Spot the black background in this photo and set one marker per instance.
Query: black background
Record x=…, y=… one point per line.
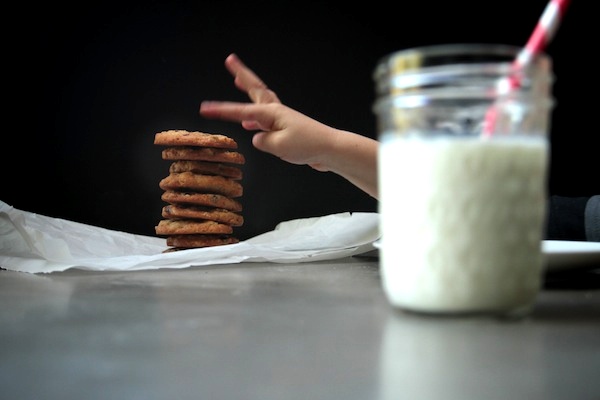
x=87, y=87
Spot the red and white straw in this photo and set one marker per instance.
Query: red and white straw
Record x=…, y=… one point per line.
x=542, y=35
x=544, y=31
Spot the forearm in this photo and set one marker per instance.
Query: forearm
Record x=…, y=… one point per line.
x=592, y=219
x=574, y=218
x=354, y=157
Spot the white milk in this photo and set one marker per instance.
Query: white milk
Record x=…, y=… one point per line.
x=462, y=222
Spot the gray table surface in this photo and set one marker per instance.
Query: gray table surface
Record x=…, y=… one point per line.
x=321, y=330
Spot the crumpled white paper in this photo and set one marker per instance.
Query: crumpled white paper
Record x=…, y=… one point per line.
x=36, y=243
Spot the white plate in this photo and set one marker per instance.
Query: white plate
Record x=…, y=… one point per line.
x=564, y=254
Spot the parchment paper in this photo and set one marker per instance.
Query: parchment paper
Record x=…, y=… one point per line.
x=36, y=243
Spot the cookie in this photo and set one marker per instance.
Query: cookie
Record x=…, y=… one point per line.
x=188, y=227
x=202, y=199
x=202, y=184
x=221, y=215
x=203, y=154
x=206, y=168
x=195, y=241
x=187, y=138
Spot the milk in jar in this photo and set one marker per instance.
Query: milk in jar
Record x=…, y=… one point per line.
x=461, y=222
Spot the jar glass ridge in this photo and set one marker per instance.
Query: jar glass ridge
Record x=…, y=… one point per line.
x=421, y=85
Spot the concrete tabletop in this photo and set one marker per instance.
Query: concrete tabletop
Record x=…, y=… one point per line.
x=320, y=330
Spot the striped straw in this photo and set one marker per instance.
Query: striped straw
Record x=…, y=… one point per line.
x=544, y=31
x=542, y=35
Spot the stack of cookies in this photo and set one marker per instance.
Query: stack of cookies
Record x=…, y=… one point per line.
x=201, y=189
